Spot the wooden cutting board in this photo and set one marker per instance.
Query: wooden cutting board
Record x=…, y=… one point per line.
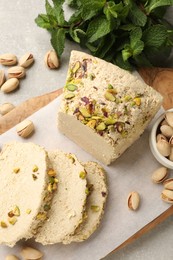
x=159, y=78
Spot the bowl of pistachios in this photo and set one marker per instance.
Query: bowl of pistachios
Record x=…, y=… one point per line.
x=161, y=139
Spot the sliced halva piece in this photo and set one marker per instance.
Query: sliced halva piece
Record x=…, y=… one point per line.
x=97, y=194
x=68, y=204
x=104, y=108
x=23, y=188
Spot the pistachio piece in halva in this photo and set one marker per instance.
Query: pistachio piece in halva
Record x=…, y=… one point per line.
x=168, y=184
x=31, y=253
x=167, y=196
x=163, y=147
x=159, y=175
x=11, y=257
x=2, y=77
x=8, y=59
x=16, y=72
x=10, y=85
x=25, y=128
x=6, y=108
x=51, y=60
x=133, y=200
x=169, y=118
x=26, y=60
x=166, y=130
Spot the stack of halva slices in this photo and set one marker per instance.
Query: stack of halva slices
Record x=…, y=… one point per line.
x=49, y=196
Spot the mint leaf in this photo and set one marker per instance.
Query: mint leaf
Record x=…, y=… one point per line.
x=135, y=41
x=42, y=21
x=108, y=42
x=155, y=36
x=58, y=41
x=98, y=28
x=153, y=4
x=49, y=9
x=59, y=12
x=77, y=34
x=136, y=15
x=121, y=63
x=90, y=8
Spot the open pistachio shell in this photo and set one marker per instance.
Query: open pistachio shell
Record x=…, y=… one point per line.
x=163, y=147
x=159, y=175
x=169, y=118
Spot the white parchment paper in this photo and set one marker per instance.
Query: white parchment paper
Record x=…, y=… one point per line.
x=131, y=172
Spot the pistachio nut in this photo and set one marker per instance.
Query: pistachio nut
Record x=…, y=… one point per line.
x=26, y=60
x=11, y=257
x=16, y=72
x=164, y=122
x=6, y=108
x=10, y=85
x=171, y=154
x=168, y=184
x=51, y=60
x=8, y=59
x=133, y=200
x=159, y=175
x=163, y=147
x=167, y=196
x=169, y=118
x=31, y=253
x=161, y=137
x=166, y=130
x=25, y=128
x=171, y=141
x=2, y=77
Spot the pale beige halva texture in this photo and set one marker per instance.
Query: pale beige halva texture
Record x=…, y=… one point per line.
x=104, y=108
x=97, y=187
x=68, y=204
x=20, y=188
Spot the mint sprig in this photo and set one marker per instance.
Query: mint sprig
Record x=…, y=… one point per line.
x=127, y=33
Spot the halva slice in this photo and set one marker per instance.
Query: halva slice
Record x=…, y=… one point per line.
x=68, y=204
x=104, y=108
x=97, y=194
x=23, y=188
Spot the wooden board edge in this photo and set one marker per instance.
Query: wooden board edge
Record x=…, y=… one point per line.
x=26, y=109
x=145, y=229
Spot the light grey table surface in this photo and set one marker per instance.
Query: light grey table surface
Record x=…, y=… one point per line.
x=19, y=34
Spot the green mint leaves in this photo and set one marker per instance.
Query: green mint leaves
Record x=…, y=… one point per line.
x=127, y=33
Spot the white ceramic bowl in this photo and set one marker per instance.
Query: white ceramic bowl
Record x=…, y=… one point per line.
x=152, y=142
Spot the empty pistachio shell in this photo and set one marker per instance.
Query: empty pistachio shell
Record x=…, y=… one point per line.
x=2, y=77
x=8, y=59
x=25, y=128
x=166, y=130
x=168, y=184
x=167, y=195
x=16, y=72
x=159, y=175
x=11, y=257
x=51, y=60
x=163, y=147
x=31, y=253
x=26, y=60
x=10, y=85
x=5, y=108
x=133, y=200
x=169, y=118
